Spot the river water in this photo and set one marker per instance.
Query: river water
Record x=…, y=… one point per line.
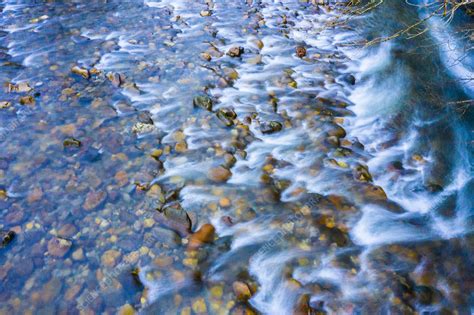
x=241, y=157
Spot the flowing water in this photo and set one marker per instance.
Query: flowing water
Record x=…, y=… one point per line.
x=300, y=174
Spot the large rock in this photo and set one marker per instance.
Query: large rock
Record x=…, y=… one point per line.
x=203, y=236
x=175, y=218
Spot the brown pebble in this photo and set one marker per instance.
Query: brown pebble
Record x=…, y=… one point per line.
x=94, y=200
x=110, y=257
x=81, y=71
x=68, y=230
x=219, y=174
x=241, y=291
x=300, y=51
x=236, y=51
x=302, y=305
x=27, y=100
x=204, y=235
x=224, y=202
x=206, y=56
x=227, y=220
x=58, y=247
x=72, y=292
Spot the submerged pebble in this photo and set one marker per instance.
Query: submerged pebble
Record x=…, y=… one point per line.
x=81, y=71
x=59, y=247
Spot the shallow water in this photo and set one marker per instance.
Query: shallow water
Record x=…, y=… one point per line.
x=361, y=204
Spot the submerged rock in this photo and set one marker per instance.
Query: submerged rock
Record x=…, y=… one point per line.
x=241, y=290
x=349, y=78
x=203, y=101
x=6, y=237
x=227, y=116
x=116, y=79
x=302, y=306
x=22, y=87
x=94, y=200
x=141, y=128
x=175, y=218
x=27, y=100
x=71, y=142
x=145, y=117
x=110, y=258
x=235, y=51
x=126, y=309
x=243, y=309
x=206, y=56
x=203, y=236
x=219, y=174
x=81, y=71
x=205, y=13
x=361, y=173
x=300, y=51
x=4, y=104
x=59, y=247
x=270, y=127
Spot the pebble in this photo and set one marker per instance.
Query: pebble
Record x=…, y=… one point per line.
x=217, y=291
x=72, y=292
x=241, y=291
x=302, y=305
x=3, y=194
x=206, y=13
x=4, y=104
x=199, y=306
x=27, y=100
x=204, y=102
x=116, y=78
x=126, y=309
x=235, y=51
x=6, y=237
x=67, y=231
x=224, y=202
x=78, y=254
x=148, y=223
x=219, y=174
x=181, y=147
x=58, y=247
x=142, y=128
x=270, y=127
x=110, y=258
x=81, y=71
x=71, y=142
x=206, y=56
x=94, y=200
x=258, y=43
x=22, y=87
x=121, y=178
x=204, y=235
x=300, y=51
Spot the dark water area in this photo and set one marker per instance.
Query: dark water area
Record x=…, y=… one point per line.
x=216, y=157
